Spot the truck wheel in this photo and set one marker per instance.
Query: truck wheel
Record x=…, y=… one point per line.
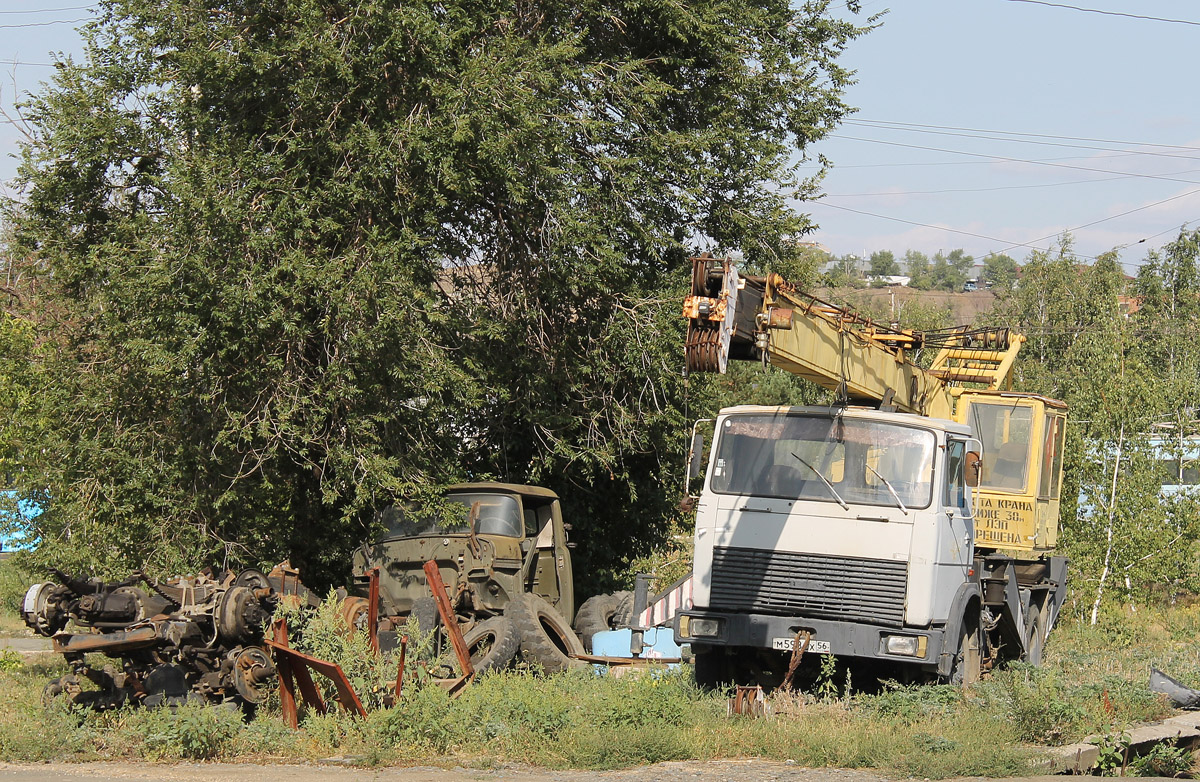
x=546, y=637
x=600, y=613
x=492, y=643
x=1035, y=631
x=968, y=661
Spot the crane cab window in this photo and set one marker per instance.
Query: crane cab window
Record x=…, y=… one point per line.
x=1006, y=431
x=1052, y=456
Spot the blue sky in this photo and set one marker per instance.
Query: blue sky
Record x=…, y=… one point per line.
x=1021, y=68
x=1105, y=102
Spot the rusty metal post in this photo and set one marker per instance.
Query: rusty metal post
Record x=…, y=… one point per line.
x=373, y=609
x=287, y=683
x=400, y=668
x=433, y=577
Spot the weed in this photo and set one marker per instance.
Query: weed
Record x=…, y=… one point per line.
x=190, y=731
x=1165, y=759
x=10, y=660
x=1035, y=703
x=827, y=690
x=1113, y=752
x=914, y=703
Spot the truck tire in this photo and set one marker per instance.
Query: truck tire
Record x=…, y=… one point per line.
x=968, y=659
x=546, y=637
x=1035, y=632
x=600, y=613
x=492, y=643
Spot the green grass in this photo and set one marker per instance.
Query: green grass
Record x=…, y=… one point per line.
x=1093, y=681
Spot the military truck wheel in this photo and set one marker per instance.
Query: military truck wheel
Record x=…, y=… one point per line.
x=355, y=612
x=546, y=637
x=425, y=611
x=493, y=643
x=1035, y=631
x=600, y=613
x=968, y=660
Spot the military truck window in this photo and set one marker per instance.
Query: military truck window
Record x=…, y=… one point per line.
x=495, y=514
x=1006, y=431
x=818, y=457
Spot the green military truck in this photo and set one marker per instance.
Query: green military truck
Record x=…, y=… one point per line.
x=503, y=554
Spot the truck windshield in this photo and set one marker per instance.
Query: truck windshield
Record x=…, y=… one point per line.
x=779, y=456
x=495, y=514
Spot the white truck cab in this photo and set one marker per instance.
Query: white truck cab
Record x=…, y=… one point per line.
x=847, y=528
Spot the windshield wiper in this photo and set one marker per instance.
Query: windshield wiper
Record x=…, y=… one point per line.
x=888, y=484
x=828, y=485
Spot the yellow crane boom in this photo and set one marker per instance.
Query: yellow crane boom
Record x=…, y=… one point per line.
x=740, y=317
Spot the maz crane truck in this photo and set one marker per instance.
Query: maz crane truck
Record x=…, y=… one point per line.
x=912, y=525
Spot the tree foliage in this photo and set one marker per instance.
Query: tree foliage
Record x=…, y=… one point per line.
x=298, y=260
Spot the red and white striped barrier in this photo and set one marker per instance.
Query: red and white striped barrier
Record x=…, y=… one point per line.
x=663, y=610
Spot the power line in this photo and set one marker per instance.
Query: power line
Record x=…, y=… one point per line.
x=935, y=227
x=967, y=162
x=991, y=189
x=43, y=24
x=974, y=134
x=1106, y=219
x=23, y=62
x=1107, y=13
x=1031, y=135
x=1012, y=159
x=50, y=10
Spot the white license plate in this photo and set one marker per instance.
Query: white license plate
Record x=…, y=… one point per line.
x=788, y=644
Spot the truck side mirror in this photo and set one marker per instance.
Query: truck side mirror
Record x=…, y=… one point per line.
x=973, y=469
x=696, y=456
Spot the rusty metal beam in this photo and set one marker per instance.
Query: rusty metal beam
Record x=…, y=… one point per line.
x=433, y=577
x=373, y=609
x=293, y=667
x=121, y=641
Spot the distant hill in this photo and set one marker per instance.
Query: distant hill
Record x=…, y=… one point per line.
x=964, y=308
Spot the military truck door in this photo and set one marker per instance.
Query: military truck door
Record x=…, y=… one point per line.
x=549, y=561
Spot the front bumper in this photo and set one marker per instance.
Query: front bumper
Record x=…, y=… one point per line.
x=847, y=639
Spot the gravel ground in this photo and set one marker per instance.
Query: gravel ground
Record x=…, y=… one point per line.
x=712, y=771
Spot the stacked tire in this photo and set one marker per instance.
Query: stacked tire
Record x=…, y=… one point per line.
x=601, y=613
x=536, y=630
x=547, y=639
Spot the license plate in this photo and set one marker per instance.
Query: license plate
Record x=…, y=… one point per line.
x=788, y=644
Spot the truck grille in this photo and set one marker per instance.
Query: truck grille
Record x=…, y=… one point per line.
x=815, y=585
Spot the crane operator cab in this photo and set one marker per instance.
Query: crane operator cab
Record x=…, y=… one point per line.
x=1021, y=473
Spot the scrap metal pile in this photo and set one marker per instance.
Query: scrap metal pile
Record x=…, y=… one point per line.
x=185, y=639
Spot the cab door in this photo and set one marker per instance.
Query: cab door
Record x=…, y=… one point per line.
x=956, y=529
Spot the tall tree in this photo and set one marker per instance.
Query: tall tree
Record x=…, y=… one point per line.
x=917, y=264
x=302, y=260
x=1000, y=271
x=883, y=264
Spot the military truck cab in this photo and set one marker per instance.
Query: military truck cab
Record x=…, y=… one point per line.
x=492, y=542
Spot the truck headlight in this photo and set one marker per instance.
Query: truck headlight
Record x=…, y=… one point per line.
x=697, y=627
x=905, y=645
